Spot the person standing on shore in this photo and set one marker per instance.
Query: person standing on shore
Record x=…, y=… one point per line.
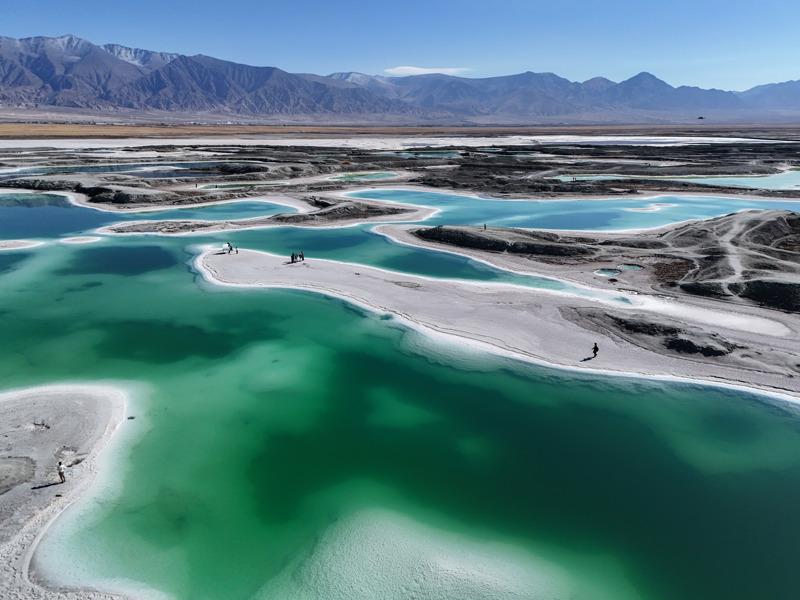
x=61, y=470
x=595, y=350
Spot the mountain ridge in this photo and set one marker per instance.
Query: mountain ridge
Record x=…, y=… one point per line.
x=72, y=73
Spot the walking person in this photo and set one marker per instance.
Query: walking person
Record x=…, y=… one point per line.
x=294, y=257
x=61, y=470
x=302, y=256
x=595, y=350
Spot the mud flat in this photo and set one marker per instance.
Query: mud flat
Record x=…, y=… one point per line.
x=547, y=327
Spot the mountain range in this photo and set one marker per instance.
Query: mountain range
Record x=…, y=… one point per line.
x=76, y=75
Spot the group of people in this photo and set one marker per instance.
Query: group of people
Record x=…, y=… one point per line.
x=297, y=257
x=229, y=248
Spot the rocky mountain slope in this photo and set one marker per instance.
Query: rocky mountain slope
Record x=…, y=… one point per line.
x=72, y=73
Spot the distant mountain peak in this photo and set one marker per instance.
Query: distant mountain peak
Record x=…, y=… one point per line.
x=599, y=81
x=146, y=59
x=646, y=82
x=646, y=76
x=598, y=84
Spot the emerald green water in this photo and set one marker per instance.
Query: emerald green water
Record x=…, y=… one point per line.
x=44, y=215
x=287, y=445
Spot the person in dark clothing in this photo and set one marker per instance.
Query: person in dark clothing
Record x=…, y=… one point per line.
x=595, y=350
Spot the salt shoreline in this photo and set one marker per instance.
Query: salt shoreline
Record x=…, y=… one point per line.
x=631, y=230
x=423, y=212
x=477, y=195
x=80, y=200
x=415, y=214
x=8, y=245
x=377, y=142
x=80, y=239
x=87, y=415
x=401, y=234
x=555, y=337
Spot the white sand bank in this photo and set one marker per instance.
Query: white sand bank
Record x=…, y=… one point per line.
x=700, y=311
x=523, y=322
x=19, y=244
x=381, y=554
x=75, y=423
x=81, y=239
x=414, y=213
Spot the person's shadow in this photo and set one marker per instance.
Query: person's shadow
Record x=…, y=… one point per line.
x=588, y=358
x=46, y=485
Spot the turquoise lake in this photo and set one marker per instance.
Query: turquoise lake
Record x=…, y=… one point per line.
x=290, y=446
x=614, y=213
x=785, y=180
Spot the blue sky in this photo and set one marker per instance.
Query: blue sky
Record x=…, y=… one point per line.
x=731, y=44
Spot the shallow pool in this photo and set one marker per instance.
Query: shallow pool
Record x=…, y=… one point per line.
x=610, y=214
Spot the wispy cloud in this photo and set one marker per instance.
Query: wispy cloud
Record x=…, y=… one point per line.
x=406, y=70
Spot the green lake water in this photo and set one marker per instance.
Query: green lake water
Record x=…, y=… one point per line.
x=287, y=445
